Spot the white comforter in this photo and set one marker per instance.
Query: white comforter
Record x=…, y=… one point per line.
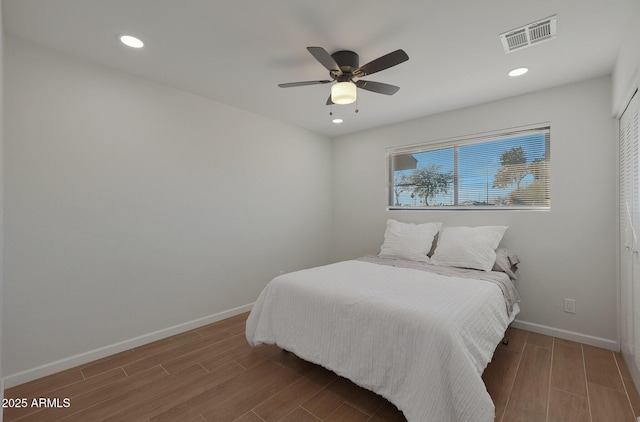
x=421, y=340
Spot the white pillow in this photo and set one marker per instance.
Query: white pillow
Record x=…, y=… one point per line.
x=468, y=247
x=408, y=241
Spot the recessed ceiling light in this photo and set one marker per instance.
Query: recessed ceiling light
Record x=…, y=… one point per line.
x=131, y=41
x=337, y=121
x=519, y=71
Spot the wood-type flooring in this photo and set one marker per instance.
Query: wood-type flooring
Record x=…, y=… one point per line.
x=211, y=374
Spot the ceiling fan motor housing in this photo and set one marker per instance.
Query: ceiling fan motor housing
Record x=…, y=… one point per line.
x=347, y=60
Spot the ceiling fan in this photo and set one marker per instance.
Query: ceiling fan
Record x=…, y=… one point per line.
x=343, y=67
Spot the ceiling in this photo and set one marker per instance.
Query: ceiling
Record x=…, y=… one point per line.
x=236, y=52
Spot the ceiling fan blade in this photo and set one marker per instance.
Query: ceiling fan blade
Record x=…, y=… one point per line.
x=330, y=101
x=303, y=83
x=382, y=63
x=378, y=87
x=325, y=59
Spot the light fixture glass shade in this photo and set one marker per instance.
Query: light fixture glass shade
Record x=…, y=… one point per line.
x=343, y=93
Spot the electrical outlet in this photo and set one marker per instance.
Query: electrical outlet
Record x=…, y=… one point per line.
x=570, y=305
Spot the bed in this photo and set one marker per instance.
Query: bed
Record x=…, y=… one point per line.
x=415, y=331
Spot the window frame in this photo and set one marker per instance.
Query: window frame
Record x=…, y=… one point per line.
x=462, y=141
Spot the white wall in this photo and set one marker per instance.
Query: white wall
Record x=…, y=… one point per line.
x=625, y=76
x=132, y=207
x=568, y=251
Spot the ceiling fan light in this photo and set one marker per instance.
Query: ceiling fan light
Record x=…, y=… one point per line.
x=343, y=93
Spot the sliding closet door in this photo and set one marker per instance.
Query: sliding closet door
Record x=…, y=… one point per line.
x=629, y=225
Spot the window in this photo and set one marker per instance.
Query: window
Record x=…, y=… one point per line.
x=507, y=170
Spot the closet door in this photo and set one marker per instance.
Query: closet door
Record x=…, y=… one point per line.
x=629, y=224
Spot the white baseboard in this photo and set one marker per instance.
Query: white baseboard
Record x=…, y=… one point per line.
x=82, y=358
x=567, y=335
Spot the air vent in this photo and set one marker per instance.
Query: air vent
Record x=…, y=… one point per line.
x=534, y=33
